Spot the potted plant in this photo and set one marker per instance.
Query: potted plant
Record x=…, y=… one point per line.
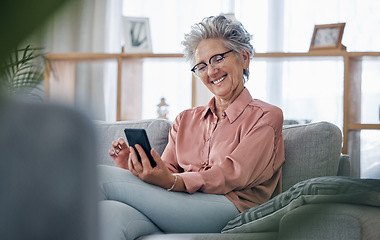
x=22, y=71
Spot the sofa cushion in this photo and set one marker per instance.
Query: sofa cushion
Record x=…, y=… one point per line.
x=311, y=150
x=156, y=129
x=334, y=189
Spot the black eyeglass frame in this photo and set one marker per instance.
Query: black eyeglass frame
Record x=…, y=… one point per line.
x=209, y=61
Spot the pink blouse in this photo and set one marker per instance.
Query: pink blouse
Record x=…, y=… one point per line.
x=241, y=157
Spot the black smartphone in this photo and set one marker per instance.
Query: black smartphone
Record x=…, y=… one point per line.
x=138, y=136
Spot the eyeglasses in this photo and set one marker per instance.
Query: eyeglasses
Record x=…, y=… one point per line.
x=216, y=61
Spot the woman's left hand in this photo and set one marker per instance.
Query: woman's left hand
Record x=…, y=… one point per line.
x=158, y=175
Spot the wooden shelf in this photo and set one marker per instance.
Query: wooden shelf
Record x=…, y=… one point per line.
x=60, y=80
x=316, y=53
x=363, y=126
x=102, y=56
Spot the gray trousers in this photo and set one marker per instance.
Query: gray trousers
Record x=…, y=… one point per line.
x=130, y=208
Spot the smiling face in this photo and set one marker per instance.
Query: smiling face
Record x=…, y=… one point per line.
x=227, y=82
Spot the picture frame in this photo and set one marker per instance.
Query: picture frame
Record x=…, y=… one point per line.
x=328, y=36
x=136, y=33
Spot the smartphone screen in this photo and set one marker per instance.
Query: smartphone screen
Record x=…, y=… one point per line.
x=138, y=136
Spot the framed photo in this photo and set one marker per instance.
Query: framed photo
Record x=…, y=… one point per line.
x=136, y=32
x=328, y=36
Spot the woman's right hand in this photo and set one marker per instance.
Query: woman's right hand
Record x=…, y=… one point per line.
x=120, y=153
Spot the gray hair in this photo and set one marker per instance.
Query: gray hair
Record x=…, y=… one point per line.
x=233, y=33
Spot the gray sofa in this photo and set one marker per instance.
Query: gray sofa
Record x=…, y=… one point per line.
x=319, y=199
x=48, y=181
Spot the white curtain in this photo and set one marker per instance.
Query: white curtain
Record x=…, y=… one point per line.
x=88, y=26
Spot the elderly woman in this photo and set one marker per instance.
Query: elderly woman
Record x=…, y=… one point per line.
x=221, y=159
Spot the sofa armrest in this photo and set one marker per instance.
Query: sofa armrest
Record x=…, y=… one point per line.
x=213, y=236
x=344, y=168
x=331, y=221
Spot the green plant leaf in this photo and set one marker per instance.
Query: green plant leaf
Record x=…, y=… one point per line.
x=23, y=70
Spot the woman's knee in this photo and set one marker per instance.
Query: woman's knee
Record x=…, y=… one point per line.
x=120, y=221
x=110, y=177
x=108, y=173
